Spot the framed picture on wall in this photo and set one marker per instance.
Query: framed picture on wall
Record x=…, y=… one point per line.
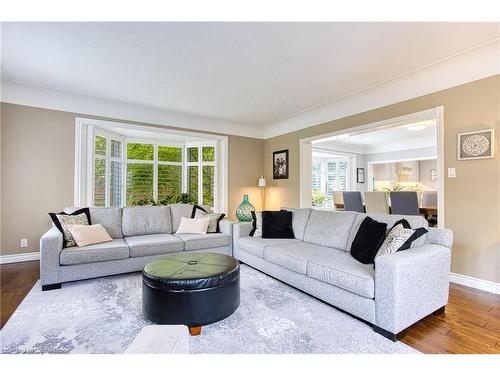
x=280, y=164
x=360, y=178
x=476, y=145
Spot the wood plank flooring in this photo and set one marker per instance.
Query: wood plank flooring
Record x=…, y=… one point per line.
x=470, y=324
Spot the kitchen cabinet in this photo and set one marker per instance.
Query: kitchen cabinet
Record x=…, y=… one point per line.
x=396, y=172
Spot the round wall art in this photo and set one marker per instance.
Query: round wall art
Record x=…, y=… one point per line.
x=476, y=145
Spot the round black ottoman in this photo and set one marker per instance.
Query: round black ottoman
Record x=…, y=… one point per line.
x=193, y=289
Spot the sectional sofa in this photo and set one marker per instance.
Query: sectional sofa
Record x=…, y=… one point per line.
x=140, y=235
x=395, y=292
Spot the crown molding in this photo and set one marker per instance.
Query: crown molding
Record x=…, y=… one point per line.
x=468, y=66
x=35, y=96
x=471, y=65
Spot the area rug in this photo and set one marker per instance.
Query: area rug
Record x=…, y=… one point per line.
x=104, y=316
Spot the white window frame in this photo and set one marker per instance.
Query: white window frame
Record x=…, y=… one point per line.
x=92, y=134
x=200, y=163
x=155, y=162
x=324, y=171
x=85, y=130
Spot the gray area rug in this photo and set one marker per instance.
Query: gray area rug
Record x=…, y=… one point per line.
x=104, y=316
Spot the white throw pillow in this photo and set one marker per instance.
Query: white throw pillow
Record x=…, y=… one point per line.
x=194, y=226
x=85, y=235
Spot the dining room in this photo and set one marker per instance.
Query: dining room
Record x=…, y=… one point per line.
x=389, y=168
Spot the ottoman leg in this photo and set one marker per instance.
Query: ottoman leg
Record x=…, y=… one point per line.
x=194, y=331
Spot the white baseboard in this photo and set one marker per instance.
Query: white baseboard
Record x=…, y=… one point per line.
x=15, y=258
x=473, y=282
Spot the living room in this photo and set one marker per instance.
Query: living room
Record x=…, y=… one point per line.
x=187, y=188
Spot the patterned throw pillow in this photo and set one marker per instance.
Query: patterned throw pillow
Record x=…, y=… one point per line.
x=62, y=219
x=257, y=224
x=215, y=218
x=395, y=240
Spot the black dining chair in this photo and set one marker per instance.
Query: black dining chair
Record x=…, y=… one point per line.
x=353, y=201
x=404, y=203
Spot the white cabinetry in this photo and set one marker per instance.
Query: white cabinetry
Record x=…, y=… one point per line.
x=406, y=171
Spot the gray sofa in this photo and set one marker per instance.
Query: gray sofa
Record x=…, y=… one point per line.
x=401, y=289
x=140, y=234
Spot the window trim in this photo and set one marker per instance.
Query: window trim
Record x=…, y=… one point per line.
x=84, y=139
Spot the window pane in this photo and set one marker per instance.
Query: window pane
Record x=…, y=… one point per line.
x=100, y=145
x=167, y=153
x=342, y=175
x=116, y=184
x=208, y=153
x=169, y=183
x=116, y=149
x=192, y=183
x=192, y=153
x=139, y=151
x=208, y=184
x=99, y=182
x=139, y=184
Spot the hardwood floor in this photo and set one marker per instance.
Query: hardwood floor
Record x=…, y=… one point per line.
x=470, y=324
x=16, y=280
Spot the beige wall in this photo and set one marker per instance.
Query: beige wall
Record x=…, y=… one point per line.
x=37, y=161
x=472, y=200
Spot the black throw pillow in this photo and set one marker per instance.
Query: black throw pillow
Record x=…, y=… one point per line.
x=419, y=232
x=370, y=236
x=277, y=224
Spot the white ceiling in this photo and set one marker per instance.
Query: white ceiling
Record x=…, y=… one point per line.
x=397, y=138
x=246, y=73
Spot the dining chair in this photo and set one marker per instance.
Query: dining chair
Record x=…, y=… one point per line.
x=404, y=203
x=376, y=202
x=353, y=201
x=338, y=198
x=429, y=199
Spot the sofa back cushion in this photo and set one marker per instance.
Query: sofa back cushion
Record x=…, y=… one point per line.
x=182, y=210
x=109, y=217
x=329, y=228
x=140, y=220
x=300, y=216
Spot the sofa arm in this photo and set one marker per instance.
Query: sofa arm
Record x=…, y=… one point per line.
x=241, y=229
x=443, y=237
x=409, y=285
x=226, y=226
x=51, y=245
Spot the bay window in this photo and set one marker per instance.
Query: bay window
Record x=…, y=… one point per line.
x=123, y=165
x=131, y=171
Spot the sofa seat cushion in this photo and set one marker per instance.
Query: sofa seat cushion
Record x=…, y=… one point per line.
x=256, y=245
x=116, y=249
x=153, y=244
x=203, y=241
x=342, y=270
x=294, y=256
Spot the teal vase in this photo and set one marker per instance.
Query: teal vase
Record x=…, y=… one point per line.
x=244, y=210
